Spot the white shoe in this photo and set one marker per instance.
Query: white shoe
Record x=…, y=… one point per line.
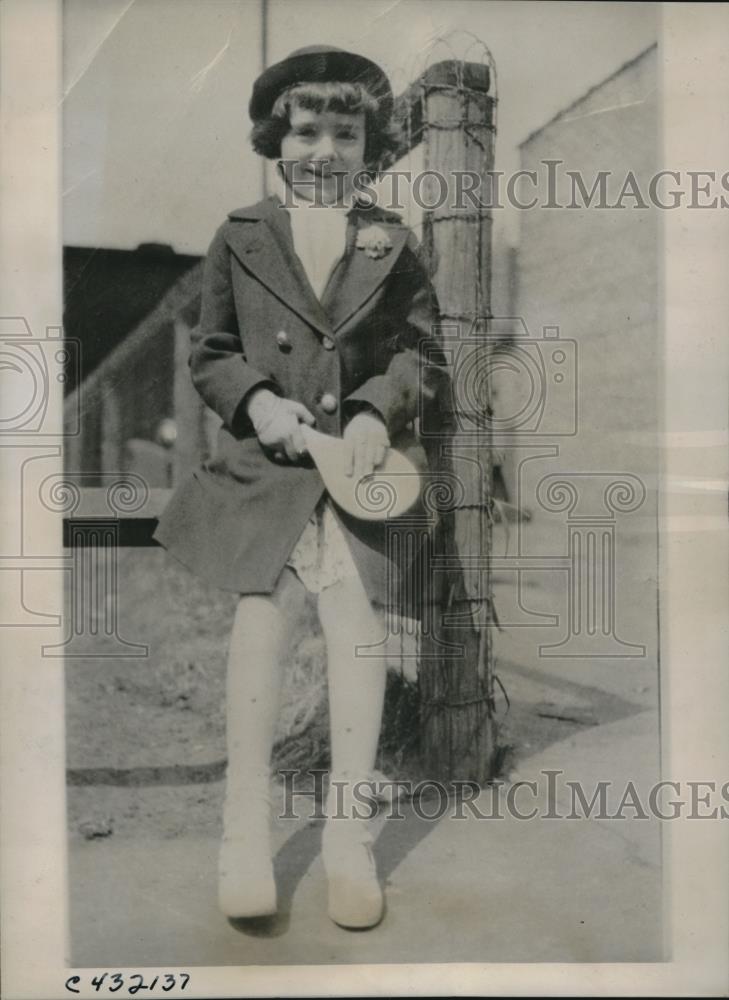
x=246, y=884
x=355, y=897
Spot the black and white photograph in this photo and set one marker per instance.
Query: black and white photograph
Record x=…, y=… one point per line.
x=352, y=441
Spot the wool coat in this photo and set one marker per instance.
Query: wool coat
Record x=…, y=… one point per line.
x=368, y=344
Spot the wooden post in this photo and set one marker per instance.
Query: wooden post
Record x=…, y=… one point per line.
x=112, y=436
x=188, y=406
x=456, y=688
x=72, y=445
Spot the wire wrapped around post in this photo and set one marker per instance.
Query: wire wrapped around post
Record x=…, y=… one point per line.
x=456, y=114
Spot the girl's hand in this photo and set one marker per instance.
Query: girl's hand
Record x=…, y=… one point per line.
x=368, y=441
x=277, y=423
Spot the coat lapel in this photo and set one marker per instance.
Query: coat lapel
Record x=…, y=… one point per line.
x=358, y=276
x=266, y=250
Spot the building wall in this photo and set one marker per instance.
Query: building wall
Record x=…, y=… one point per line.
x=593, y=272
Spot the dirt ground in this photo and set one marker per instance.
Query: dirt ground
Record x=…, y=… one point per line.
x=145, y=735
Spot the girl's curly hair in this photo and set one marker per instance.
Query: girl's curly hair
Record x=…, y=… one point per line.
x=382, y=137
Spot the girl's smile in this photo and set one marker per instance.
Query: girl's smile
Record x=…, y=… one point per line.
x=322, y=152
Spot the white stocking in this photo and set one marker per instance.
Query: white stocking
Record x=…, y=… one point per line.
x=356, y=683
x=259, y=645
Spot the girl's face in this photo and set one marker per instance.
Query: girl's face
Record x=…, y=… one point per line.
x=322, y=151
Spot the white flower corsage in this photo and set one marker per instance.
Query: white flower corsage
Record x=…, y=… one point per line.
x=374, y=241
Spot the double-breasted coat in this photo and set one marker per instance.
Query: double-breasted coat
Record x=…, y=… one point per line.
x=368, y=344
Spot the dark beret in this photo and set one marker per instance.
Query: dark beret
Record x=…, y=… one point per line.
x=319, y=64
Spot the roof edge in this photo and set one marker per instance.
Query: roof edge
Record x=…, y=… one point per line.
x=591, y=90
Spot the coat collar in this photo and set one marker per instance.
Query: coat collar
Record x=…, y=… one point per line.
x=266, y=251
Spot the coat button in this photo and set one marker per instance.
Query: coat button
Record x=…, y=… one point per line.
x=328, y=403
x=282, y=339
x=328, y=344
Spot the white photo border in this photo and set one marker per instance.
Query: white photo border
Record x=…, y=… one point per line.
x=694, y=555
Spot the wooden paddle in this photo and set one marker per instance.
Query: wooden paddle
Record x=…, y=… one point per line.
x=388, y=492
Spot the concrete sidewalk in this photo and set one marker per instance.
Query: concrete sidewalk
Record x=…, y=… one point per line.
x=458, y=890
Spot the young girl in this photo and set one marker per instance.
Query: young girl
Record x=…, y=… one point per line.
x=315, y=310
